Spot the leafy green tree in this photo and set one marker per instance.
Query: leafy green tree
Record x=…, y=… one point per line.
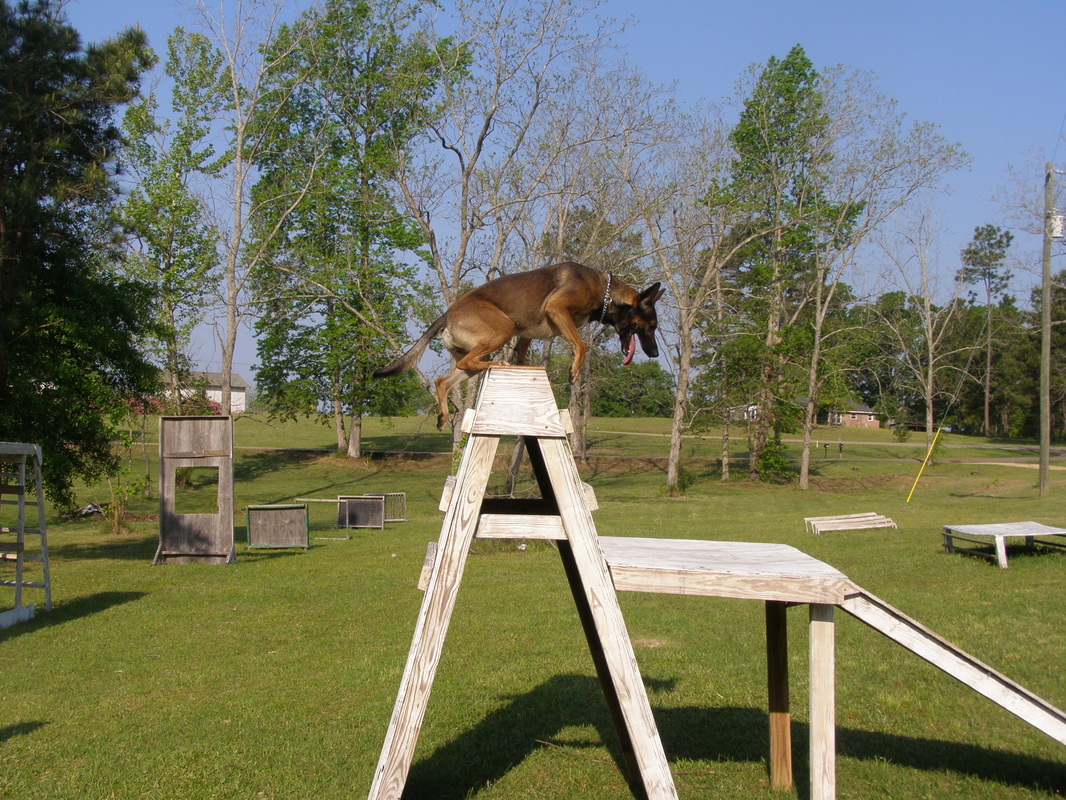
x=983, y=266
x=70, y=325
x=174, y=248
x=778, y=175
x=353, y=85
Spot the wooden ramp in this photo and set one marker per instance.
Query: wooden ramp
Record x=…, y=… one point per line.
x=957, y=663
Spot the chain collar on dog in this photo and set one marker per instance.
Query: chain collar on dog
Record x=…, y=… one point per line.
x=606, y=300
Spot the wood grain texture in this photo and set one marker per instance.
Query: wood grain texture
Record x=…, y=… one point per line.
x=822, y=643
x=743, y=570
x=980, y=677
x=457, y=532
x=517, y=401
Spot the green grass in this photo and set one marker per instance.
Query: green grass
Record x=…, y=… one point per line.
x=275, y=677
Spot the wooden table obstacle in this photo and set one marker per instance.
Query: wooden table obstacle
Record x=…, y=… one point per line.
x=517, y=401
x=996, y=534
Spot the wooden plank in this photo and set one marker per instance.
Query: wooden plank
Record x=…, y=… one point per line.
x=14, y=616
x=822, y=643
x=434, y=616
x=427, y=566
x=525, y=526
x=602, y=602
x=743, y=570
x=517, y=401
x=957, y=663
x=777, y=695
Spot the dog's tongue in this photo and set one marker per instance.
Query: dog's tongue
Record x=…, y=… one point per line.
x=630, y=351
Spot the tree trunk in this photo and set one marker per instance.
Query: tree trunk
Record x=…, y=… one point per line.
x=677, y=425
x=725, y=445
x=355, y=436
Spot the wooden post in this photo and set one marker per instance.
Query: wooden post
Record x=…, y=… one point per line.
x=823, y=702
x=457, y=533
x=778, y=702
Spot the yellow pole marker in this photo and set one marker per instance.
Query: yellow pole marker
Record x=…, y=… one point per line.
x=927, y=456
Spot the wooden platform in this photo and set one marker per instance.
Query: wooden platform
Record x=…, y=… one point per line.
x=779, y=575
x=997, y=534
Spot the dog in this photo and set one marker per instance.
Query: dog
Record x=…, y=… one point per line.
x=539, y=304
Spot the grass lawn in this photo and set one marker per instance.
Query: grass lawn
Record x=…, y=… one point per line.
x=275, y=677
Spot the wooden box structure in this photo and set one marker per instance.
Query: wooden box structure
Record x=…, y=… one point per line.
x=361, y=511
x=277, y=526
x=197, y=537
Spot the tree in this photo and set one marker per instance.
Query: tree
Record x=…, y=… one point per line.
x=915, y=332
x=982, y=261
x=353, y=84
x=70, y=325
x=480, y=173
x=779, y=177
x=173, y=247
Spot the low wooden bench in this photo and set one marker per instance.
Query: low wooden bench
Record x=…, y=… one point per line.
x=996, y=534
x=848, y=522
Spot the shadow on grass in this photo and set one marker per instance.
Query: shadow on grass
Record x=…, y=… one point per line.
x=19, y=729
x=69, y=611
x=504, y=738
x=249, y=467
x=132, y=547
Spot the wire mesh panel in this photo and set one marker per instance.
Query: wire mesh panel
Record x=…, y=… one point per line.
x=395, y=505
x=277, y=526
x=361, y=511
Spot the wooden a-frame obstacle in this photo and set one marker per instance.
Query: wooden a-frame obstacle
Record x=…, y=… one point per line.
x=519, y=402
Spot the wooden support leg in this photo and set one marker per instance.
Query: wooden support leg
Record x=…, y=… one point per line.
x=603, y=670
x=1001, y=551
x=777, y=682
x=457, y=533
x=823, y=702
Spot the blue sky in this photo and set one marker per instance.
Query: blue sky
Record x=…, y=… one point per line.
x=988, y=72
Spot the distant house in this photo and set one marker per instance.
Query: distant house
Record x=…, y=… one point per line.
x=212, y=388
x=856, y=415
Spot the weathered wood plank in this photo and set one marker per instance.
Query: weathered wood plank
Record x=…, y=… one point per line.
x=980, y=677
x=777, y=695
x=743, y=570
x=457, y=532
x=602, y=603
x=822, y=642
x=517, y=401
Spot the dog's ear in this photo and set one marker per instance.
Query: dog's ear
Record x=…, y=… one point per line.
x=651, y=295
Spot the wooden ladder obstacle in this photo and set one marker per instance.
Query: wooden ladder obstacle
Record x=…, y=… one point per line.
x=519, y=402
x=18, y=460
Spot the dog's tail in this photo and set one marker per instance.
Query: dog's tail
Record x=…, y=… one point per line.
x=411, y=357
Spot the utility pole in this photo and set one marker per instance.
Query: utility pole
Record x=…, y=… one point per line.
x=1045, y=332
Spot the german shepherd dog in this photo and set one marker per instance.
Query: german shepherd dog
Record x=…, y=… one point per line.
x=539, y=304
